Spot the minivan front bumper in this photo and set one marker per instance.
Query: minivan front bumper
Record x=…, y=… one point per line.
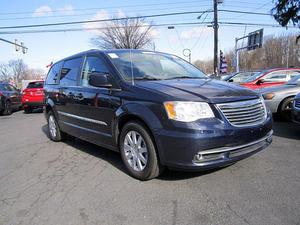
x=226, y=155
x=218, y=147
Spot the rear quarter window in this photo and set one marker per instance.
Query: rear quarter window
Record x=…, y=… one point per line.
x=70, y=72
x=53, y=74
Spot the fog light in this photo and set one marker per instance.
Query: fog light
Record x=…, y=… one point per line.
x=208, y=157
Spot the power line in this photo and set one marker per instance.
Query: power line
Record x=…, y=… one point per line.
x=245, y=12
x=192, y=24
x=92, y=14
x=125, y=18
x=101, y=20
x=112, y=7
x=99, y=28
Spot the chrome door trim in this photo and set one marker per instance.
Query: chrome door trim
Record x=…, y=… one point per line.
x=82, y=118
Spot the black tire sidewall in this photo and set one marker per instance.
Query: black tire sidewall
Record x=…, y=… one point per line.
x=152, y=156
x=8, y=108
x=282, y=111
x=28, y=110
x=58, y=133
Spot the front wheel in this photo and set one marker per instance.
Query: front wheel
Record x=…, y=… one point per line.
x=138, y=152
x=53, y=129
x=285, y=109
x=28, y=110
x=8, y=108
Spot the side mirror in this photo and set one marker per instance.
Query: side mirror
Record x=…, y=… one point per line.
x=230, y=80
x=260, y=81
x=100, y=80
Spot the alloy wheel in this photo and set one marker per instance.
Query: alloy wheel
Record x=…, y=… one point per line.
x=52, y=126
x=135, y=150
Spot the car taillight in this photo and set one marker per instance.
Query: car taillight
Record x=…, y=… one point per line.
x=1, y=94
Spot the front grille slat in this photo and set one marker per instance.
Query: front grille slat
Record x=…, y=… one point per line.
x=244, y=113
x=228, y=107
x=246, y=117
x=297, y=103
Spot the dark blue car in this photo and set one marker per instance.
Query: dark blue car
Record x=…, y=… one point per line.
x=296, y=109
x=156, y=109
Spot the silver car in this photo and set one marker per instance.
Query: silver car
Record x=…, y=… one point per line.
x=280, y=98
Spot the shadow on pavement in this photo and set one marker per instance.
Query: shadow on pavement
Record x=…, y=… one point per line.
x=105, y=154
x=115, y=160
x=35, y=111
x=286, y=130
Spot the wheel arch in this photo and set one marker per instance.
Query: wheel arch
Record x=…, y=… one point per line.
x=282, y=101
x=142, y=114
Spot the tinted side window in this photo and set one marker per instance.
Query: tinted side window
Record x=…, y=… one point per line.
x=69, y=72
x=53, y=74
x=278, y=76
x=293, y=73
x=92, y=65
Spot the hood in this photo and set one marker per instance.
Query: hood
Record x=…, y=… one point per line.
x=209, y=90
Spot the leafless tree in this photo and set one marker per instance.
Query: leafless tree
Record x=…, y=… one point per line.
x=5, y=72
x=124, y=34
x=18, y=69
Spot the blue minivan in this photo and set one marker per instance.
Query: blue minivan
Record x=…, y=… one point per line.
x=156, y=109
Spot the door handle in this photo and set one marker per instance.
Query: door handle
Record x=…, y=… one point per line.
x=80, y=97
x=70, y=95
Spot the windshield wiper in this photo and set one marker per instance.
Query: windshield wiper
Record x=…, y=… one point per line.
x=185, y=77
x=147, y=77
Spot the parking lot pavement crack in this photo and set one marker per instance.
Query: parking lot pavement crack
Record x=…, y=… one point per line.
x=174, y=212
x=237, y=214
x=18, y=167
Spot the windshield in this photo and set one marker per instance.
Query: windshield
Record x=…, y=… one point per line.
x=153, y=66
x=38, y=84
x=294, y=81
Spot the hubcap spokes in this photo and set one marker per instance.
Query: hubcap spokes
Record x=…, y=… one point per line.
x=135, y=150
x=52, y=126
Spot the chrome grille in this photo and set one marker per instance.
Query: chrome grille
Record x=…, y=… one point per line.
x=244, y=113
x=297, y=103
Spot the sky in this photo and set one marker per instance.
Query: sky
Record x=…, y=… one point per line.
x=44, y=48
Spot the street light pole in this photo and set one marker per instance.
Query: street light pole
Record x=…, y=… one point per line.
x=216, y=27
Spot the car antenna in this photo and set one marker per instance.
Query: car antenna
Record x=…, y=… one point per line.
x=132, y=77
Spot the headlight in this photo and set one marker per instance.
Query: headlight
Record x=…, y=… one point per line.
x=188, y=111
x=268, y=96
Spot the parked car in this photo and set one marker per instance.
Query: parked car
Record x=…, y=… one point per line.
x=10, y=99
x=33, y=96
x=280, y=98
x=296, y=109
x=156, y=109
x=270, y=77
x=239, y=77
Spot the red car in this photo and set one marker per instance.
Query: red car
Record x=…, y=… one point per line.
x=33, y=96
x=271, y=77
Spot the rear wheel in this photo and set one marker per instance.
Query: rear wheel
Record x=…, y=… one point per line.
x=53, y=129
x=285, y=108
x=28, y=110
x=138, y=152
x=8, y=108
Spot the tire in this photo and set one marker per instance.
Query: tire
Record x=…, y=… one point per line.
x=284, y=109
x=140, y=158
x=53, y=129
x=28, y=110
x=8, y=108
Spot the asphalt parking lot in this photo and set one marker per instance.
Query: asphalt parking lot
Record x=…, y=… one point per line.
x=74, y=182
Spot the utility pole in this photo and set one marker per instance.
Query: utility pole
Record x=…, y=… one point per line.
x=216, y=27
